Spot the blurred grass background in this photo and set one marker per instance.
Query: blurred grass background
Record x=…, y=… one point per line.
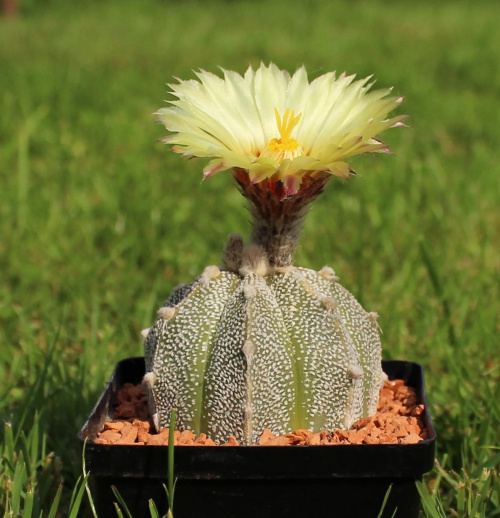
x=98, y=221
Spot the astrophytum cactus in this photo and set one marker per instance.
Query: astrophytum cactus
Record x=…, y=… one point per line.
x=259, y=343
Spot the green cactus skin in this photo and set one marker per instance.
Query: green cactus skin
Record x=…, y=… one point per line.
x=238, y=352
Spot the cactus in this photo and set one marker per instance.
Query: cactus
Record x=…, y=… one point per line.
x=260, y=343
x=237, y=353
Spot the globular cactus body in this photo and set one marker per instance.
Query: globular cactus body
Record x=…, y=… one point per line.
x=238, y=352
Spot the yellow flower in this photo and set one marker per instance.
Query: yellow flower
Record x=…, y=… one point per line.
x=275, y=125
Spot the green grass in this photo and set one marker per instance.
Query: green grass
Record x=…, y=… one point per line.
x=98, y=221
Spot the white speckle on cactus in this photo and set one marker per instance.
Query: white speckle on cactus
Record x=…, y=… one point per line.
x=166, y=313
x=373, y=316
x=145, y=333
x=150, y=379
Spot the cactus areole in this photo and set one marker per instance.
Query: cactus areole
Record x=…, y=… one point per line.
x=259, y=343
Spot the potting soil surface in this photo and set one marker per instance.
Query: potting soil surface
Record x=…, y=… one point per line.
x=398, y=421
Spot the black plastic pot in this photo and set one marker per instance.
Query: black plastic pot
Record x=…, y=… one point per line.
x=242, y=482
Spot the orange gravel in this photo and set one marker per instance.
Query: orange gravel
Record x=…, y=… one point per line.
x=398, y=421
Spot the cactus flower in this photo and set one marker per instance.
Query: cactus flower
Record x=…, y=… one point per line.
x=271, y=124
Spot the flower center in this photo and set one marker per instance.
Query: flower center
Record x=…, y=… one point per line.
x=286, y=124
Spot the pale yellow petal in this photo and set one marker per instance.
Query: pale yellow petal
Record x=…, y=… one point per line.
x=261, y=169
x=325, y=94
x=269, y=91
x=297, y=92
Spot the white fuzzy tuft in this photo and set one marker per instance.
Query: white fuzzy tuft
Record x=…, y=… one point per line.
x=328, y=273
x=249, y=291
x=355, y=371
x=329, y=303
x=145, y=333
x=150, y=379
x=254, y=260
x=284, y=269
x=166, y=313
x=210, y=273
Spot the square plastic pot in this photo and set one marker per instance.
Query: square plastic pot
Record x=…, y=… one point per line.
x=254, y=481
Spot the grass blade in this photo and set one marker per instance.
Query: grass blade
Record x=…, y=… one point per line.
x=171, y=482
x=429, y=263
x=28, y=503
x=119, y=513
x=76, y=499
x=17, y=484
x=384, y=503
x=55, y=503
x=428, y=503
x=153, y=510
x=121, y=501
x=87, y=474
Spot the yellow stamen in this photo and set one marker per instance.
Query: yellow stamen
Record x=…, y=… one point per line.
x=285, y=127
